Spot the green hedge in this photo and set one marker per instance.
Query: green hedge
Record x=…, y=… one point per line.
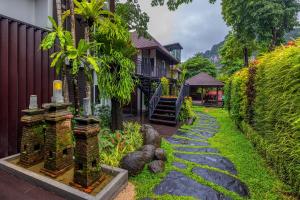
x=264, y=101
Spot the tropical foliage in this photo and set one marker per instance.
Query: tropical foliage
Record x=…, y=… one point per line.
x=132, y=15
x=197, y=64
x=114, y=146
x=165, y=86
x=66, y=49
x=186, y=111
x=264, y=100
x=104, y=114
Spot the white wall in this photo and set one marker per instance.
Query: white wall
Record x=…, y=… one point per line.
x=34, y=12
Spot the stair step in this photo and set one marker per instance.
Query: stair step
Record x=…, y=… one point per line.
x=167, y=103
x=166, y=107
x=168, y=99
x=166, y=122
x=166, y=116
x=164, y=111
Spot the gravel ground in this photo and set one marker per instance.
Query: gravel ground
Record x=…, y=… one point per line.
x=127, y=193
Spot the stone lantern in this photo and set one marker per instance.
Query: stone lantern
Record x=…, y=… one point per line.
x=87, y=162
x=32, y=141
x=58, y=136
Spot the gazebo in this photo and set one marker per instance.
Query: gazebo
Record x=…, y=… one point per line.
x=206, y=90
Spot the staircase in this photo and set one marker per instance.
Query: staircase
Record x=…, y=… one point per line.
x=166, y=110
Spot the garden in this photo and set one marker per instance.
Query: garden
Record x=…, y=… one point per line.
x=250, y=149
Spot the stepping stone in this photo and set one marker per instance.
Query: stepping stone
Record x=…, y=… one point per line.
x=189, y=135
x=209, y=130
x=207, y=150
x=173, y=140
x=176, y=183
x=224, y=180
x=206, y=134
x=215, y=161
x=180, y=165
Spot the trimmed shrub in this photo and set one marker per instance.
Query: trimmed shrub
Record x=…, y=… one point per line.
x=264, y=101
x=238, y=100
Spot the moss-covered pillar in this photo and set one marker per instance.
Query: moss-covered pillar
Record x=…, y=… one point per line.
x=87, y=161
x=58, y=139
x=32, y=141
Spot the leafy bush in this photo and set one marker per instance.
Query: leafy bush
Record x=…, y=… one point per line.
x=104, y=114
x=238, y=99
x=265, y=102
x=186, y=111
x=113, y=146
x=165, y=86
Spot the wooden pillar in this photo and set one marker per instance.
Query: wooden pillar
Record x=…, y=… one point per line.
x=217, y=95
x=202, y=96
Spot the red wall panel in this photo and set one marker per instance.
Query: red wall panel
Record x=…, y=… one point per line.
x=24, y=70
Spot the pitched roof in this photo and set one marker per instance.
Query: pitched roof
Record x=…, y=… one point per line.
x=151, y=43
x=173, y=46
x=203, y=79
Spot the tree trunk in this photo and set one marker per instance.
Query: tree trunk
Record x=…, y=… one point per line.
x=116, y=114
x=75, y=80
x=112, y=6
x=246, y=57
x=116, y=108
x=64, y=69
x=274, y=39
x=88, y=92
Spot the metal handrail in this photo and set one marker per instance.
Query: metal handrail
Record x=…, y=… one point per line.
x=154, y=100
x=184, y=91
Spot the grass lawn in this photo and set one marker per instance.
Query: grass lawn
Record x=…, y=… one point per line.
x=252, y=170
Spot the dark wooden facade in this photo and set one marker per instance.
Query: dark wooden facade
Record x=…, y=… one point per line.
x=24, y=70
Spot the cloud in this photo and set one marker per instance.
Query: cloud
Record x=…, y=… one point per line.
x=196, y=26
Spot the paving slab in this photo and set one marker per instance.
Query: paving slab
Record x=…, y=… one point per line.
x=180, y=165
x=215, y=161
x=173, y=140
x=176, y=183
x=195, y=150
x=189, y=135
x=224, y=180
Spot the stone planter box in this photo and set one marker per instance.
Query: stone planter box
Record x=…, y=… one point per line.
x=112, y=189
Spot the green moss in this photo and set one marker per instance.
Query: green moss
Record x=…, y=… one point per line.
x=252, y=169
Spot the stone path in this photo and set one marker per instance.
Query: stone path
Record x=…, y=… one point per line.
x=193, y=152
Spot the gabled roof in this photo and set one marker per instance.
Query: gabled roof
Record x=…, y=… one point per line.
x=151, y=43
x=173, y=46
x=203, y=79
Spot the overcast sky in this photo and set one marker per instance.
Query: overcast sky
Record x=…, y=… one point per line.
x=196, y=26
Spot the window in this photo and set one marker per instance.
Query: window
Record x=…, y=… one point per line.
x=65, y=152
x=94, y=163
x=37, y=147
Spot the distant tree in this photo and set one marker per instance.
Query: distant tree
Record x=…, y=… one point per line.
x=232, y=55
x=132, y=15
x=197, y=64
x=273, y=19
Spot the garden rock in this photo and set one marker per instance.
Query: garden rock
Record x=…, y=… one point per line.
x=149, y=152
x=160, y=154
x=156, y=166
x=151, y=136
x=133, y=162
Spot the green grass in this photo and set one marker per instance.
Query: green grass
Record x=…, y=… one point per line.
x=252, y=169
